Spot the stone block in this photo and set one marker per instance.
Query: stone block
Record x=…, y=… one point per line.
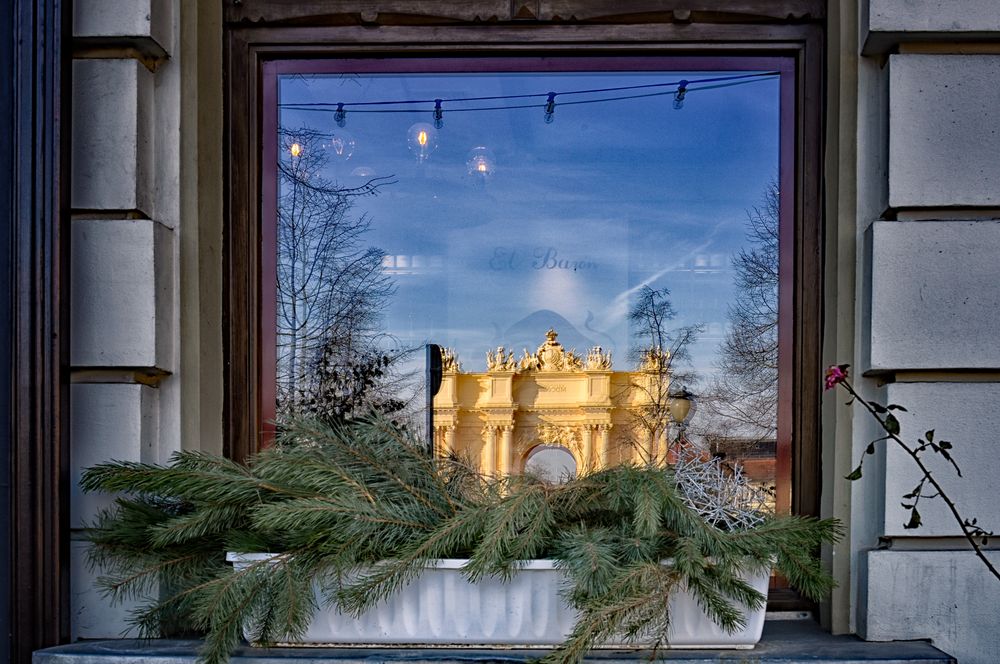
x=136, y=19
x=112, y=147
x=108, y=421
x=121, y=293
x=960, y=413
x=93, y=616
x=946, y=596
x=934, y=301
x=944, y=135
x=944, y=16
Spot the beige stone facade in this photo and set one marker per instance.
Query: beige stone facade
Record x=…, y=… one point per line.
x=551, y=398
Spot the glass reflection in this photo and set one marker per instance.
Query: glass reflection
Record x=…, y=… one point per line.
x=623, y=253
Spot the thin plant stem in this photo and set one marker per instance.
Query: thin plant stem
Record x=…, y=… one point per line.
x=928, y=476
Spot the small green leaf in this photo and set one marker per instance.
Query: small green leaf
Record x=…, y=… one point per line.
x=855, y=474
x=896, y=406
x=871, y=448
x=891, y=424
x=945, y=445
x=929, y=436
x=905, y=506
x=914, y=521
x=879, y=408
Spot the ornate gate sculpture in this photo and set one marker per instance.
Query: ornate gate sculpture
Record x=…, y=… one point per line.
x=549, y=397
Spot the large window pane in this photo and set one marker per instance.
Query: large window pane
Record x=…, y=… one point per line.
x=581, y=272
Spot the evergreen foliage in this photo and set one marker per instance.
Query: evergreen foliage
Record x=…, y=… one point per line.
x=359, y=508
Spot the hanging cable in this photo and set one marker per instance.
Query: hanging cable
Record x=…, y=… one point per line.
x=688, y=90
x=406, y=102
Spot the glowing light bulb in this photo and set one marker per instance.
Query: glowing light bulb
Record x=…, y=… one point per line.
x=295, y=149
x=422, y=140
x=480, y=163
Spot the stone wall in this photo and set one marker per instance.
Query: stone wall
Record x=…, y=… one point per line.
x=929, y=312
x=912, y=281
x=125, y=225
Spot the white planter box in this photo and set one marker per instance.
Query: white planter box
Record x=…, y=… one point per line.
x=441, y=608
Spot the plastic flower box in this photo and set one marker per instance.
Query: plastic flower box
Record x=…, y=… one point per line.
x=441, y=608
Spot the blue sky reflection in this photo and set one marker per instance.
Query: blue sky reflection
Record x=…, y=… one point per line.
x=576, y=216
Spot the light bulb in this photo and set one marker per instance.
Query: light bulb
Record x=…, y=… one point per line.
x=438, y=114
x=679, y=95
x=550, y=108
x=342, y=145
x=295, y=149
x=340, y=117
x=480, y=163
x=422, y=140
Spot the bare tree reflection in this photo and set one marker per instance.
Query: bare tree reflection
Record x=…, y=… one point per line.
x=331, y=289
x=744, y=395
x=662, y=357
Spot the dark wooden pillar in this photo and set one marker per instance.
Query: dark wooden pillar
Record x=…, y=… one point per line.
x=34, y=455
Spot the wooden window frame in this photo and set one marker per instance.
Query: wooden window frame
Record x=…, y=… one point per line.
x=260, y=32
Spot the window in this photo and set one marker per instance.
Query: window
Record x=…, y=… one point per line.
x=586, y=239
x=266, y=64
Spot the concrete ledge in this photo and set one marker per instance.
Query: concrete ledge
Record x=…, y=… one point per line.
x=112, y=136
x=936, y=277
x=140, y=20
x=948, y=596
x=783, y=642
x=121, y=283
x=893, y=22
x=108, y=422
x=959, y=413
x=943, y=132
x=93, y=615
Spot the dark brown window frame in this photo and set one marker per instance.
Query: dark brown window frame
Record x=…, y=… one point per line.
x=789, y=29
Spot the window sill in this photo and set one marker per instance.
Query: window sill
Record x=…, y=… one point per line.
x=783, y=641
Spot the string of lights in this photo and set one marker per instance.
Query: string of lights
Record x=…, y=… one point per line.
x=679, y=89
x=422, y=136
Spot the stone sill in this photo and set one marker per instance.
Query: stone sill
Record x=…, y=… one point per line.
x=783, y=642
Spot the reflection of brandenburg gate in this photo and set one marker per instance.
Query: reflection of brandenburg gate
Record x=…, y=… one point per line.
x=551, y=398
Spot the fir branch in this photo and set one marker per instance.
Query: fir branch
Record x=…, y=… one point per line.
x=517, y=528
x=637, y=601
x=360, y=510
x=387, y=576
x=590, y=557
x=202, y=522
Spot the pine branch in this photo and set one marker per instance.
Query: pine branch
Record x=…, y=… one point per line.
x=360, y=510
